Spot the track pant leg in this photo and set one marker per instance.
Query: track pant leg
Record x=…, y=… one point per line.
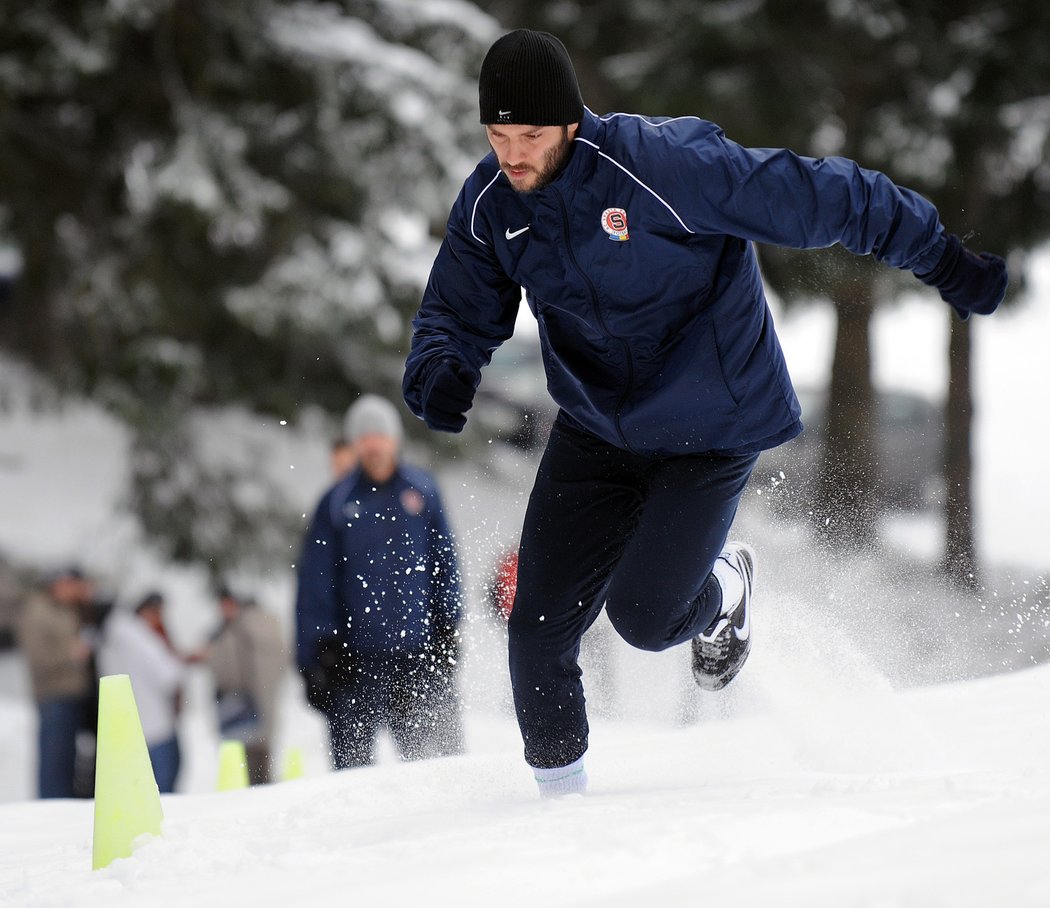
x=355, y=713
x=258, y=757
x=60, y=718
x=390, y=690
x=662, y=592
x=411, y=707
x=605, y=524
x=166, y=757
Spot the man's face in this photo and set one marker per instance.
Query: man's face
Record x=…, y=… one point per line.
x=229, y=607
x=378, y=455
x=530, y=156
x=154, y=617
x=71, y=590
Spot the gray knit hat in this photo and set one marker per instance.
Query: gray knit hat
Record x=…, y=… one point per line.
x=528, y=79
x=373, y=414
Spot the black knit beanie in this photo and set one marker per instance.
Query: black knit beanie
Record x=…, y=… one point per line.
x=527, y=79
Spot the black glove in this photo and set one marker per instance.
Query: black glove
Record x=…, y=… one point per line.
x=447, y=394
x=330, y=672
x=968, y=281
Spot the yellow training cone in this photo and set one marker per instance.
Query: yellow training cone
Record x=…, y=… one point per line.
x=293, y=764
x=127, y=802
x=233, y=766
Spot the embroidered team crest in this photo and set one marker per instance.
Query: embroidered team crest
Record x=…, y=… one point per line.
x=614, y=223
x=412, y=501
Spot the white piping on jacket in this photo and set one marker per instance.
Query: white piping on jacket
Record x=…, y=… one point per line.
x=474, y=210
x=611, y=160
x=644, y=186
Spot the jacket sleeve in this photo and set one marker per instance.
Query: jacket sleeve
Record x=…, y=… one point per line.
x=469, y=305
x=317, y=596
x=775, y=196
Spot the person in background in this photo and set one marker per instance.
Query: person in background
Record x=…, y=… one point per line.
x=342, y=458
x=633, y=239
x=54, y=636
x=248, y=657
x=11, y=596
x=504, y=583
x=136, y=643
x=378, y=602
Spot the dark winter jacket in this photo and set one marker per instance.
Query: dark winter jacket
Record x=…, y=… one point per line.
x=378, y=568
x=637, y=261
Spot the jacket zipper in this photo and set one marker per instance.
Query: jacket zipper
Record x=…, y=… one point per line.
x=600, y=321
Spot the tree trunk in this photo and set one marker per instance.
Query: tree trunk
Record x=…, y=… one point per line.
x=845, y=508
x=960, y=551
x=27, y=316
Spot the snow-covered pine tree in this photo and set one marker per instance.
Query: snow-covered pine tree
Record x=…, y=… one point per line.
x=226, y=205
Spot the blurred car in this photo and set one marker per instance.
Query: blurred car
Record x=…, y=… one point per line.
x=909, y=436
x=512, y=400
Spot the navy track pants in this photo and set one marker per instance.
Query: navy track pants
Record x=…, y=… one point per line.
x=636, y=533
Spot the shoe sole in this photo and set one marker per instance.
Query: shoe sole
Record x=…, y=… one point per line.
x=712, y=684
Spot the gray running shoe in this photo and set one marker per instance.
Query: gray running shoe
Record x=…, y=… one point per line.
x=721, y=651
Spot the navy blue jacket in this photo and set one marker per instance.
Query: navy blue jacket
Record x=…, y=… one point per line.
x=378, y=567
x=637, y=261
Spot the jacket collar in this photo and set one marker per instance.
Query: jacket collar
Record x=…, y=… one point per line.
x=590, y=127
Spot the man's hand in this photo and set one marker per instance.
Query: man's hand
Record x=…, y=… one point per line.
x=448, y=392
x=968, y=281
x=330, y=672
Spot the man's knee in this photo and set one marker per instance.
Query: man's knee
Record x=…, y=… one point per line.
x=639, y=628
x=528, y=632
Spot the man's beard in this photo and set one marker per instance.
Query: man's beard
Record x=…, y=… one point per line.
x=553, y=161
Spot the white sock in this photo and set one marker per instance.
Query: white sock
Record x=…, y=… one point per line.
x=561, y=780
x=731, y=582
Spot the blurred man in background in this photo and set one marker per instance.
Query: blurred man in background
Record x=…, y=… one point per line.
x=342, y=457
x=135, y=643
x=378, y=602
x=248, y=657
x=56, y=634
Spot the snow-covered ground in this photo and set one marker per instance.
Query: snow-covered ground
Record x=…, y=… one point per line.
x=832, y=773
x=935, y=798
